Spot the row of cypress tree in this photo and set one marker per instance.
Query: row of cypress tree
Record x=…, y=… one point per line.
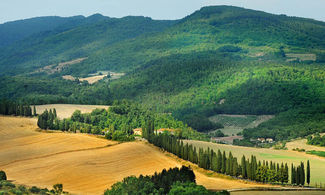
x=248, y=168
x=8, y=107
x=298, y=175
x=48, y=120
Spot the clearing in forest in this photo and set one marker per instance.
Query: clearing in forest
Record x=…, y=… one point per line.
x=234, y=124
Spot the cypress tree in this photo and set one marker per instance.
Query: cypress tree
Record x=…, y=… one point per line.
x=308, y=173
x=248, y=169
x=34, y=109
x=54, y=112
x=186, y=152
x=235, y=167
x=286, y=173
x=214, y=162
x=228, y=166
x=302, y=174
x=219, y=161
x=21, y=110
x=224, y=161
x=195, y=157
x=297, y=170
x=293, y=174
x=243, y=166
x=253, y=167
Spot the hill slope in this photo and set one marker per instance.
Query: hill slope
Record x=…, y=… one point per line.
x=82, y=163
x=11, y=32
x=73, y=41
x=250, y=33
x=220, y=59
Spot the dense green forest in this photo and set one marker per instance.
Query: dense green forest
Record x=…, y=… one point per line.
x=172, y=181
x=317, y=140
x=117, y=122
x=45, y=90
x=8, y=107
x=11, y=32
x=70, y=41
x=294, y=123
x=218, y=60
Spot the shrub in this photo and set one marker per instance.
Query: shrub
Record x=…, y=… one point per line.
x=34, y=190
x=58, y=188
x=3, y=176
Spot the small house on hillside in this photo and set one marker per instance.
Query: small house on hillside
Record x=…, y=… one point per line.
x=159, y=131
x=269, y=140
x=137, y=131
x=261, y=139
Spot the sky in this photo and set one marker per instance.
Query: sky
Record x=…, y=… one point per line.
x=11, y=10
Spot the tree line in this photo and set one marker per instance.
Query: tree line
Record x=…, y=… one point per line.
x=248, y=168
x=298, y=174
x=8, y=107
x=173, y=181
x=316, y=140
x=115, y=123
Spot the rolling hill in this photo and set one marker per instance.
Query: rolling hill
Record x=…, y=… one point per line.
x=218, y=60
x=84, y=163
x=11, y=32
x=70, y=41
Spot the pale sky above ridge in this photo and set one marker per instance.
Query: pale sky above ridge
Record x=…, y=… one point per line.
x=11, y=10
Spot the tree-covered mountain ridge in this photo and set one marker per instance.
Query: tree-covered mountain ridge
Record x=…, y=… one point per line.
x=220, y=59
x=130, y=42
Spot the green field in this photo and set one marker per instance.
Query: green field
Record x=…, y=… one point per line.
x=318, y=153
x=285, y=156
x=234, y=124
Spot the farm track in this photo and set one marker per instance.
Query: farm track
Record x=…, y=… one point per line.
x=58, y=153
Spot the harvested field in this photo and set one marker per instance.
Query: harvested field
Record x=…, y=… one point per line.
x=93, y=79
x=54, y=68
x=84, y=164
x=285, y=156
x=227, y=140
x=66, y=110
x=69, y=77
x=301, y=57
x=302, y=144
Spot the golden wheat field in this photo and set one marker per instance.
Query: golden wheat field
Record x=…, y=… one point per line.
x=84, y=164
x=66, y=110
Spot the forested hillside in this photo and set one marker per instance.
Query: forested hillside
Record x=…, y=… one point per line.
x=71, y=41
x=11, y=32
x=252, y=34
x=220, y=59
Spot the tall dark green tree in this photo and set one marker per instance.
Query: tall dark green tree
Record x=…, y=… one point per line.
x=302, y=173
x=224, y=162
x=308, y=172
x=243, y=166
x=34, y=111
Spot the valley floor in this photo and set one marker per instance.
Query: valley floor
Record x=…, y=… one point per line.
x=84, y=164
